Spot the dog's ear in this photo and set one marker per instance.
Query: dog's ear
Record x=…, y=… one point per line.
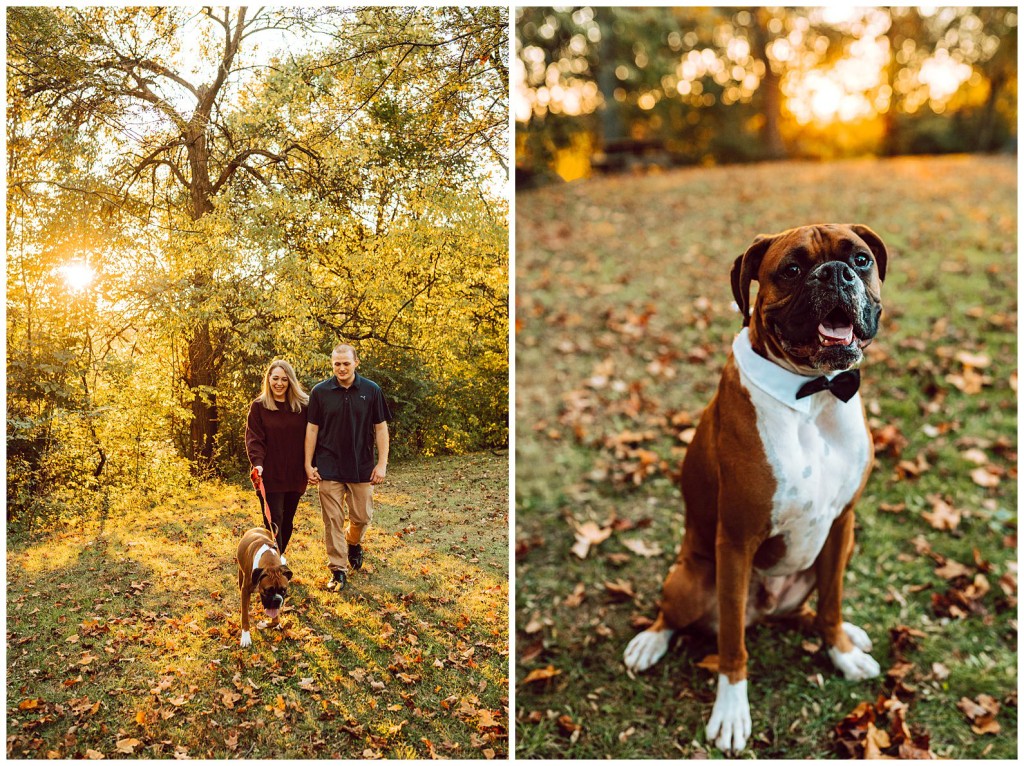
x=744, y=271
x=874, y=242
x=286, y=572
x=257, y=575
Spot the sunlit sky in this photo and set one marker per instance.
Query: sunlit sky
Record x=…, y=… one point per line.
x=851, y=88
x=77, y=275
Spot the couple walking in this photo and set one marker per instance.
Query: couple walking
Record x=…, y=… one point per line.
x=326, y=438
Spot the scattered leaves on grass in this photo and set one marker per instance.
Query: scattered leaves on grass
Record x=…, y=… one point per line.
x=967, y=587
x=879, y=729
x=981, y=712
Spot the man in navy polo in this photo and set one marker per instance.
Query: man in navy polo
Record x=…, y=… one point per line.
x=347, y=417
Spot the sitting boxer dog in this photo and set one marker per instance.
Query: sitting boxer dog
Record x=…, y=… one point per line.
x=261, y=568
x=778, y=460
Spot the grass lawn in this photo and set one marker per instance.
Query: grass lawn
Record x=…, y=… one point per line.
x=624, y=319
x=122, y=633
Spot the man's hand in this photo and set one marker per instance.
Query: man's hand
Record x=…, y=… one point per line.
x=312, y=475
x=379, y=472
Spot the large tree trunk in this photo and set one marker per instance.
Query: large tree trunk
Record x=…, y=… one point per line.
x=202, y=380
x=987, y=129
x=201, y=373
x=199, y=163
x=612, y=128
x=770, y=90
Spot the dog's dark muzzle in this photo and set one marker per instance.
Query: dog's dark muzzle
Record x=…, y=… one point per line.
x=272, y=600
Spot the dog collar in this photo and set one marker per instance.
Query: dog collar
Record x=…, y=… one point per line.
x=778, y=382
x=259, y=554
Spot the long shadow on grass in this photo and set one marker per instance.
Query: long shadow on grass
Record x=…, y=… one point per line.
x=409, y=662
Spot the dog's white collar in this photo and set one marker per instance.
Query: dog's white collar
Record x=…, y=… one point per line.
x=776, y=381
x=259, y=554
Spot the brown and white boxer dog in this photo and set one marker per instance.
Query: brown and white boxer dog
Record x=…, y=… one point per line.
x=261, y=568
x=778, y=460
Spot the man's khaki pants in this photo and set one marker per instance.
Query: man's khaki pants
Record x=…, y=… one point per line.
x=340, y=501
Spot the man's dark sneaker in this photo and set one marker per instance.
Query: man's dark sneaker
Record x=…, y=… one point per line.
x=337, y=581
x=355, y=556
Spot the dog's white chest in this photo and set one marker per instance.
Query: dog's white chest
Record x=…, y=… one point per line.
x=818, y=459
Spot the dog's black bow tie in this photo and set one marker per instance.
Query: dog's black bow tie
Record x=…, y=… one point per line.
x=843, y=386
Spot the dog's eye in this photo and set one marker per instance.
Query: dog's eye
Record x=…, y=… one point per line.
x=790, y=271
x=862, y=260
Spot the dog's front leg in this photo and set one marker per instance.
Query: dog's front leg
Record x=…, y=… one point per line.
x=730, y=724
x=848, y=645
x=246, y=639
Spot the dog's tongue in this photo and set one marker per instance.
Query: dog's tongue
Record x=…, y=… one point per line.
x=272, y=613
x=830, y=335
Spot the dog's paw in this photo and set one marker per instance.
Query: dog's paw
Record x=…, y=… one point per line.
x=855, y=665
x=859, y=637
x=246, y=639
x=646, y=649
x=729, y=726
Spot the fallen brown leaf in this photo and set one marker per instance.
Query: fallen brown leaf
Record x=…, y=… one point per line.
x=574, y=599
x=531, y=652
x=913, y=468
x=952, y=569
x=972, y=359
x=642, y=548
x=888, y=439
x=620, y=590
x=127, y=745
x=567, y=725
x=588, y=534
x=943, y=516
x=541, y=674
x=983, y=477
x=981, y=712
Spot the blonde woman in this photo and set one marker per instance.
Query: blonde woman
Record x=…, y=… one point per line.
x=275, y=432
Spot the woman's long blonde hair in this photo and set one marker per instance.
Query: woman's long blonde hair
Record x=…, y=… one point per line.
x=295, y=397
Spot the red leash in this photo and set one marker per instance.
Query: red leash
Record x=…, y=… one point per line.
x=257, y=482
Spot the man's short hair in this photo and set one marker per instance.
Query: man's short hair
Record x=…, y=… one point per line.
x=341, y=348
